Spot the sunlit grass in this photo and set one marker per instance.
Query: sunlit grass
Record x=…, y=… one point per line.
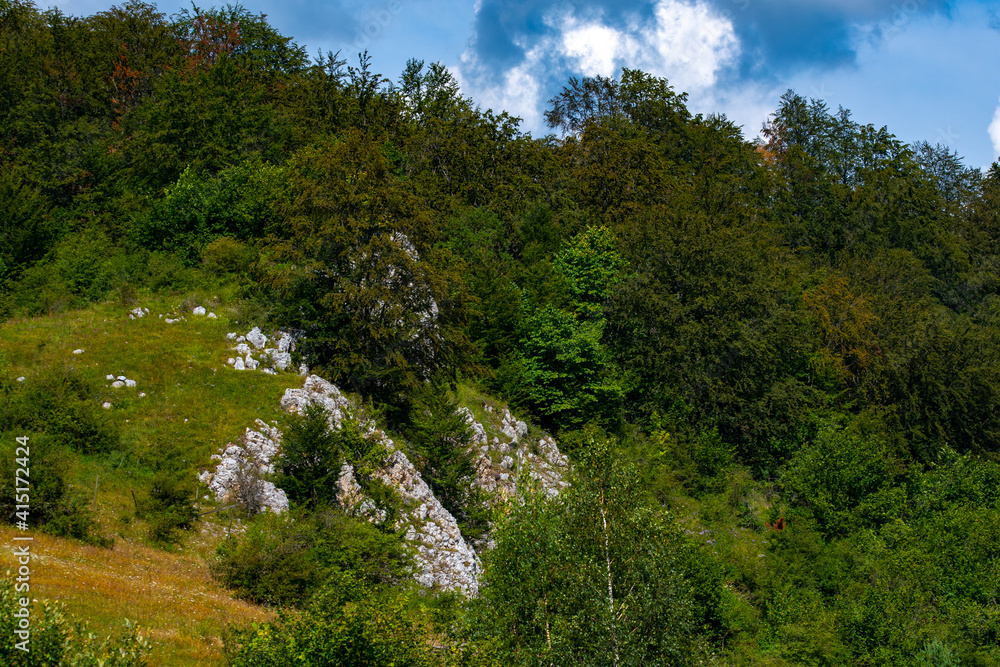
x=193, y=405
x=171, y=595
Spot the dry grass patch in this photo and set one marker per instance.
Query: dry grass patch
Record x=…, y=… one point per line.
x=171, y=595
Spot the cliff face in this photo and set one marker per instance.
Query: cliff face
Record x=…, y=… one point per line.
x=504, y=454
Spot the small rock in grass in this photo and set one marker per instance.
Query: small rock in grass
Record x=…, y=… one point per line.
x=129, y=383
x=212, y=316
x=199, y=310
x=239, y=364
x=252, y=363
x=231, y=336
x=106, y=405
x=269, y=371
x=230, y=361
x=77, y=351
x=256, y=338
x=121, y=377
x=109, y=376
x=117, y=384
x=142, y=394
x=21, y=379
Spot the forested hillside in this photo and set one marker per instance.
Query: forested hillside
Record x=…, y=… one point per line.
x=774, y=365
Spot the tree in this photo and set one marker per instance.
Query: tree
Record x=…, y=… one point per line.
x=379, y=314
x=594, y=577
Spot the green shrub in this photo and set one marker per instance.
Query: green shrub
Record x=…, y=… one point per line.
x=227, y=255
x=61, y=403
x=283, y=559
x=440, y=447
x=348, y=623
x=55, y=508
x=58, y=640
x=170, y=506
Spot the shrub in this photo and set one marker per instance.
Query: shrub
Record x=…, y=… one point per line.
x=170, y=506
x=283, y=559
x=440, y=445
x=347, y=623
x=60, y=402
x=58, y=640
x=54, y=508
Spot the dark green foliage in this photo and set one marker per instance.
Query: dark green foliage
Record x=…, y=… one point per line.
x=53, y=506
x=170, y=505
x=595, y=577
x=347, y=623
x=441, y=448
x=846, y=479
x=314, y=452
x=283, y=560
x=61, y=404
x=380, y=312
x=199, y=207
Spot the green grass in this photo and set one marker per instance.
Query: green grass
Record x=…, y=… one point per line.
x=194, y=405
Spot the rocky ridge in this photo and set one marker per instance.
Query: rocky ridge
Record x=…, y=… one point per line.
x=506, y=455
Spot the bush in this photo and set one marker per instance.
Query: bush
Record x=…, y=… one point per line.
x=227, y=255
x=58, y=640
x=170, y=506
x=54, y=508
x=284, y=559
x=313, y=454
x=347, y=623
x=440, y=447
x=61, y=403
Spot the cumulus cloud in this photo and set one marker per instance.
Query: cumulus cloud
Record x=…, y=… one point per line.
x=688, y=43
x=994, y=130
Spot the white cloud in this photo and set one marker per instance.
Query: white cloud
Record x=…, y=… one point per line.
x=518, y=93
x=686, y=42
x=995, y=131
x=596, y=48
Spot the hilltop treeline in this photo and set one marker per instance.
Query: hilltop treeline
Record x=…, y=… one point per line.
x=791, y=344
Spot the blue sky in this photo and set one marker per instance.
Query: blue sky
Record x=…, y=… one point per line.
x=928, y=69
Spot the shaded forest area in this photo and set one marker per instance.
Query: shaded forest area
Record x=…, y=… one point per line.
x=773, y=364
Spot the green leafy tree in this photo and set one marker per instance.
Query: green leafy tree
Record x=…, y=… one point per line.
x=441, y=446
x=594, y=577
x=379, y=312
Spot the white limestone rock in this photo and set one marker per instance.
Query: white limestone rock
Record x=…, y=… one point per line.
x=256, y=338
x=251, y=363
x=77, y=351
x=238, y=364
x=198, y=310
x=258, y=448
x=443, y=558
x=130, y=383
x=117, y=384
x=212, y=316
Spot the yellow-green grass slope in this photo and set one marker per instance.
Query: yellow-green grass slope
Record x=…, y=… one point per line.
x=195, y=403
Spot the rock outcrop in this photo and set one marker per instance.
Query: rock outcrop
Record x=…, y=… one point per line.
x=270, y=360
x=245, y=464
x=505, y=452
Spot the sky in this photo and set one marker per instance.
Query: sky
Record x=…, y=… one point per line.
x=926, y=69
